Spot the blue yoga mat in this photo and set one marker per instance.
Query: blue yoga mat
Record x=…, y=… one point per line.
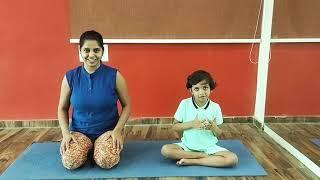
x=138, y=159
x=316, y=141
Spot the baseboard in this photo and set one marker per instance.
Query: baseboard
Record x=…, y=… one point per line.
x=258, y=124
x=165, y=120
x=29, y=123
x=292, y=119
x=134, y=121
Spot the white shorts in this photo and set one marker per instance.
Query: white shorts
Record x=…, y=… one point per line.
x=210, y=151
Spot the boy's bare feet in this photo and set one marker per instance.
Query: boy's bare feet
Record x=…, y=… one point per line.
x=183, y=162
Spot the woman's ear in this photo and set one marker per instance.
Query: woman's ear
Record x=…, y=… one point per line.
x=80, y=57
x=79, y=48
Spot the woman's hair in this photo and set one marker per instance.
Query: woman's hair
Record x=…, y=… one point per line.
x=199, y=76
x=91, y=35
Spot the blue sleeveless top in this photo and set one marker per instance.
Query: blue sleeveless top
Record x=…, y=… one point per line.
x=94, y=100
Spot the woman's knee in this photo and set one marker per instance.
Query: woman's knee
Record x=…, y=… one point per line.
x=76, y=153
x=105, y=155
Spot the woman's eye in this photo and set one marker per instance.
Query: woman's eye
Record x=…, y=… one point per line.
x=96, y=50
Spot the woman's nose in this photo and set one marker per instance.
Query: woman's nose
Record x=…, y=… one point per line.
x=91, y=54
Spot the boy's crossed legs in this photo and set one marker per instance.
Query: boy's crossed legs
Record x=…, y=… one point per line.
x=219, y=159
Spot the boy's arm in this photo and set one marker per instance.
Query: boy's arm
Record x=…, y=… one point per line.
x=181, y=126
x=215, y=128
x=217, y=122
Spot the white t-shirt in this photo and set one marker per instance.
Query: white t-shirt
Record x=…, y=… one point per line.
x=197, y=139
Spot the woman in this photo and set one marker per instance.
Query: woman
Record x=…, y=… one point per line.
x=93, y=90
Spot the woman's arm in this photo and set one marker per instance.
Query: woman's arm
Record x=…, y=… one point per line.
x=63, y=115
x=116, y=133
x=125, y=102
x=63, y=107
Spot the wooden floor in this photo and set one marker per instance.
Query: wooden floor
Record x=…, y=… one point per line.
x=278, y=163
x=299, y=136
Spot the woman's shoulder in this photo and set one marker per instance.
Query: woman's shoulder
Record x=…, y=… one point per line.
x=74, y=70
x=109, y=68
x=72, y=73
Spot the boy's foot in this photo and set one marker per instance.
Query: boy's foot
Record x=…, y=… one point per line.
x=183, y=162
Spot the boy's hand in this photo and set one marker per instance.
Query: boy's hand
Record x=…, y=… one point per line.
x=207, y=124
x=200, y=124
x=215, y=128
x=214, y=123
x=197, y=124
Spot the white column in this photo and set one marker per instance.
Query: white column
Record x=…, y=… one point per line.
x=263, y=61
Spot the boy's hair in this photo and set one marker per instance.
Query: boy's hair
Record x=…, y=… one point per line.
x=199, y=76
x=91, y=35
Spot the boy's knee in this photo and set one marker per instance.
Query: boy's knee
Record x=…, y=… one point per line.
x=165, y=150
x=232, y=160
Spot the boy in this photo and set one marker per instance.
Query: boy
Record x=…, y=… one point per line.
x=199, y=119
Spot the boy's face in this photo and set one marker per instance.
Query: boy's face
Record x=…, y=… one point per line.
x=201, y=92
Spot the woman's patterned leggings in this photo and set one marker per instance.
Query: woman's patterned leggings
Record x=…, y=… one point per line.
x=104, y=154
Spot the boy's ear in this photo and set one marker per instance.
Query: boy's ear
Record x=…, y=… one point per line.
x=190, y=89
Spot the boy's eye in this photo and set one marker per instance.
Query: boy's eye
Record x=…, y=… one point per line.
x=86, y=50
x=205, y=88
x=196, y=89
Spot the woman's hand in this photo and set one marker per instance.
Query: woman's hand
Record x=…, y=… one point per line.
x=117, y=139
x=65, y=143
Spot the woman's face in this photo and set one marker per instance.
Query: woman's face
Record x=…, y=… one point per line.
x=91, y=53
